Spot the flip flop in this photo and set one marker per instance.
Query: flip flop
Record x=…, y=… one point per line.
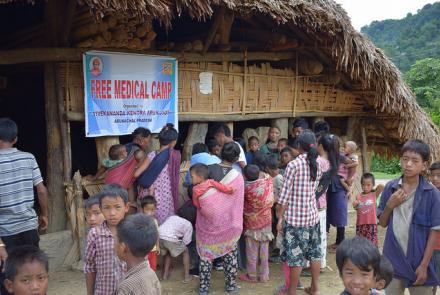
x=246, y=278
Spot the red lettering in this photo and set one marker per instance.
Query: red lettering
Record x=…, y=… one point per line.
x=136, y=89
x=117, y=88
x=153, y=86
x=124, y=88
x=169, y=90
x=92, y=88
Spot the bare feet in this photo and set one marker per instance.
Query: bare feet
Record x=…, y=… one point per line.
x=308, y=290
x=187, y=279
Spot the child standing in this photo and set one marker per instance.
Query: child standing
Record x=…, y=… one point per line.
x=254, y=146
x=148, y=205
x=365, y=206
x=175, y=234
x=410, y=209
x=94, y=215
x=27, y=271
x=434, y=176
x=136, y=236
x=201, y=183
x=102, y=267
x=299, y=214
x=358, y=262
x=258, y=201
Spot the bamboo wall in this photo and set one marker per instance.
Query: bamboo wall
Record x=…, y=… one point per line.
x=267, y=90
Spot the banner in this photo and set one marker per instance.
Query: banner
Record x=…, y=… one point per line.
x=126, y=91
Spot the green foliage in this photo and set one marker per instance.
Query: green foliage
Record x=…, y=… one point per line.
x=412, y=38
x=388, y=166
x=424, y=80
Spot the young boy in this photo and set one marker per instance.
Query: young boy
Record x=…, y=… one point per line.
x=102, y=267
x=214, y=147
x=410, y=209
x=254, y=146
x=434, y=176
x=282, y=143
x=149, y=206
x=358, y=262
x=94, y=215
x=27, y=271
x=136, y=236
x=175, y=234
x=201, y=183
x=384, y=277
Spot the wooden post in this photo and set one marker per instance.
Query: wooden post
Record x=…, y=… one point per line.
x=103, y=144
x=231, y=126
x=365, y=164
x=283, y=124
x=196, y=133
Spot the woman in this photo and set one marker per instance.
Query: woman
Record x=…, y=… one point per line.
x=215, y=237
x=158, y=174
x=271, y=145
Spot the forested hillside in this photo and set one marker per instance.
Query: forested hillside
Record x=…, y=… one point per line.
x=410, y=39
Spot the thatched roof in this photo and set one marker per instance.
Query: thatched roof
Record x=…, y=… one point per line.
x=328, y=25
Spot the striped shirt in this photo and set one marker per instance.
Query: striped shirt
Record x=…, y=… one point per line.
x=298, y=193
x=19, y=173
x=139, y=280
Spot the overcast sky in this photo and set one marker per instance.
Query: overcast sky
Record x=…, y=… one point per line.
x=363, y=12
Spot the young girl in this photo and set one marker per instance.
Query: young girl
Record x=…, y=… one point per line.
x=299, y=214
x=258, y=201
x=271, y=145
x=254, y=146
x=365, y=205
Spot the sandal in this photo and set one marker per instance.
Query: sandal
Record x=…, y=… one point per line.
x=247, y=278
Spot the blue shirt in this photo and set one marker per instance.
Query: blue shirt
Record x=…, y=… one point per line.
x=201, y=158
x=249, y=157
x=426, y=215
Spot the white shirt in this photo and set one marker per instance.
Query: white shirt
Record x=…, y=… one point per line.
x=241, y=158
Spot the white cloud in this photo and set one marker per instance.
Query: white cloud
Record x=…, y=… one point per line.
x=363, y=12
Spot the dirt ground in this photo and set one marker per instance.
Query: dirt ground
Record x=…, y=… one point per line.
x=69, y=282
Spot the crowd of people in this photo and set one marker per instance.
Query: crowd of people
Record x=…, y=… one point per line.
x=250, y=204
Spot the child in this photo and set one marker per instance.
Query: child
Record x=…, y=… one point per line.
x=271, y=145
x=94, y=215
x=214, y=147
x=434, y=176
x=175, y=234
x=136, y=236
x=201, y=183
x=365, y=206
x=148, y=205
x=282, y=143
x=358, y=262
x=298, y=213
x=286, y=157
x=102, y=267
x=258, y=201
x=410, y=209
x=348, y=170
x=277, y=180
x=384, y=277
x=27, y=271
x=116, y=154
x=294, y=147
x=254, y=146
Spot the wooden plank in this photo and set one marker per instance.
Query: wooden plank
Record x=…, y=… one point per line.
x=213, y=117
x=44, y=54
x=213, y=29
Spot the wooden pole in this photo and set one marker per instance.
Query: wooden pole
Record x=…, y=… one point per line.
x=243, y=102
x=365, y=164
x=295, y=98
x=196, y=133
x=213, y=29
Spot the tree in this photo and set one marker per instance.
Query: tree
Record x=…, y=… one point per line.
x=424, y=79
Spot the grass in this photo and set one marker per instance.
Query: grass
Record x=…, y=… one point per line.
x=382, y=175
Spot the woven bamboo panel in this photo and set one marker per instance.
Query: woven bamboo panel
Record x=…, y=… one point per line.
x=72, y=83
x=267, y=90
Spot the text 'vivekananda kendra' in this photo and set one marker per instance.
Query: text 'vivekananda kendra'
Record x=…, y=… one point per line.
x=130, y=89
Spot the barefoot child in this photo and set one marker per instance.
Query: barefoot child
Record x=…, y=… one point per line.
x=358, y=262
x=410, y=210
x=148, y=206
x=94, y=215
x=258, y=201
x=175, y=234
x=298, y=213
x=365, y=206
x=27, y=271
x=102, y=267
x=136, y=236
